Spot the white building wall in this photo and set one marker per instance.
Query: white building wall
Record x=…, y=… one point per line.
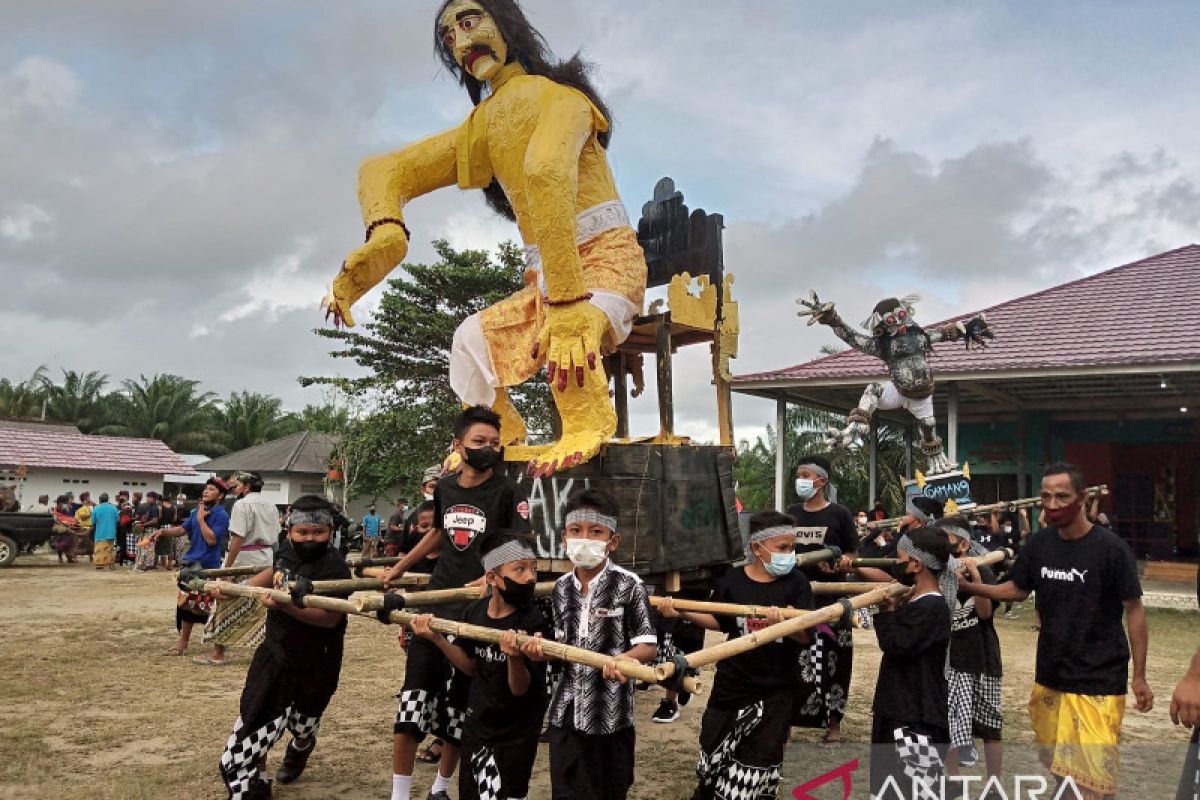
x=54, y=482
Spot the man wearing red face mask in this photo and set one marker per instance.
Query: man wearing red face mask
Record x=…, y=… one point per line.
x=1086, y=581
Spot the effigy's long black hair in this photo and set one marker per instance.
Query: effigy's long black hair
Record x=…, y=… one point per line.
x=526, y=45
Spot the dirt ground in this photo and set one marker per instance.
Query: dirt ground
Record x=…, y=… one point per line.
x=89, y=709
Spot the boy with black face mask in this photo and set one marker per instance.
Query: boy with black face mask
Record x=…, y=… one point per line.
x=295, y=670
x=469, y=508
x=910, y=711
x=508, y=691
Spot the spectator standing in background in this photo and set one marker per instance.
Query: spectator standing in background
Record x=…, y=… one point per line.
x=253, y=536
x=371, y=525
x=42, y=506
x=103, y=519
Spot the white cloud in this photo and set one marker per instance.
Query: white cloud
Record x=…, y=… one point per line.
x=23, y=222
x=39, y=83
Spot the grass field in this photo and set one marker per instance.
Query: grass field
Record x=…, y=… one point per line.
x=89, y=709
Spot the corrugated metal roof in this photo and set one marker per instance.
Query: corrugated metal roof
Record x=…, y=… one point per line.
x=66, y=450
x=300, y=452
x=1141, y=313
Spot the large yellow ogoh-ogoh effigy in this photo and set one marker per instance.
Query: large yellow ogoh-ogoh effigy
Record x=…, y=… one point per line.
x=535, y=143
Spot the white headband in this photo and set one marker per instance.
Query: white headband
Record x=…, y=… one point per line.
x=318, y=517
x=768, y=533
x=514, y=550
x=593, y=516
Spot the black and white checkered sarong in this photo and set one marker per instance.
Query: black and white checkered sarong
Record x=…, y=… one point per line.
x=974, y=707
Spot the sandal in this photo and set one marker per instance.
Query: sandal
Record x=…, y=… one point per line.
x=427, y=755
x=174, y=651
x=205, y=661
x=829, y=740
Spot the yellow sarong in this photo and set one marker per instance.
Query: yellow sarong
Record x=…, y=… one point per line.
x=104, y=554
x=1078, y=735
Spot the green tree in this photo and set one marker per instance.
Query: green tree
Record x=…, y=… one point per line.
x=405, y=350
x=170, y=408
x=23, y=398
x=754, y=470
x=79, y=400
x=247, y=419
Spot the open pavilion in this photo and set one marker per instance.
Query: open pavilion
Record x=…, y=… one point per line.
x=1103, y=371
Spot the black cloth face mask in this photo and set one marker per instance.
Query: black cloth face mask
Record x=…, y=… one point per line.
x=517, y=594
x=483, y=458
x=310, y=551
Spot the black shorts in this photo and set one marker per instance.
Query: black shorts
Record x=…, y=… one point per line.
x=495, y=771
x=434, y=697
x=587, y=766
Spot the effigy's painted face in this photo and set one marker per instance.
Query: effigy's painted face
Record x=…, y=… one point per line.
x=472, y=36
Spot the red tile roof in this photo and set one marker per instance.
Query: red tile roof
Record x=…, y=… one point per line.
x=1141, y=313
x=59, y=450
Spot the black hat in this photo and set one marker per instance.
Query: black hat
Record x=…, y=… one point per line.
x=817, y=461
x=926, y=507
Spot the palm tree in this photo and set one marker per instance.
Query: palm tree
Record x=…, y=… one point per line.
x=23, y=398
x=247, y=419
x=78, y=400
x=169, y=408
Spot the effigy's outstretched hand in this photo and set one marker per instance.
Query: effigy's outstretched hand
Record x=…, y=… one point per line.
x=814, y=309
x=362, y=269
x=976, y=332
x=570, y=340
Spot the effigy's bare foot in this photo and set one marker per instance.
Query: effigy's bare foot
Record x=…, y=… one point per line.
x=939, y=464
x=588, y=420
x=512, y=426
x=571, y=450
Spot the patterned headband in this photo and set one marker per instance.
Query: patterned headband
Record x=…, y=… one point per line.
x=947, y=580
x=829, y=490
x=912, y=508
x=514, y=550
x=319, y=517
x=591, y=515
x=768, y=533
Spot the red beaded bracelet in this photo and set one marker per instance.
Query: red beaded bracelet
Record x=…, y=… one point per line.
x=387, y=221
x=584, y=296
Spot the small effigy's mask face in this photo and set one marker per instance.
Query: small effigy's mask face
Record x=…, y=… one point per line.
x=896, y=321
x=473, y=37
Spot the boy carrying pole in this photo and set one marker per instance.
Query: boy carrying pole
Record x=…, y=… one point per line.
x=601, y=607
x=508, y=691
x=910, y=731
x=745, y=726
x=295, y=670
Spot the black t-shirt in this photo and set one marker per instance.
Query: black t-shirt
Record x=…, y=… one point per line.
x=992, y=541
x=399, y=521
x=912, y=676
x=289, y=639
x=745, y=678
x=1081, y=587
x=974, y=646
x=494, y=714
x=466, y=518
x=832, y=525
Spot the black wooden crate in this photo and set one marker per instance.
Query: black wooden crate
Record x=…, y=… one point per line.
x=677, y=504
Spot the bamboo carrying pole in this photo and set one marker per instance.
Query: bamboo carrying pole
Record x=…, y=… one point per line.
x=564, y=652
x=414, y=579
x=800, y=622
x=432, y=597
x=1005, y=505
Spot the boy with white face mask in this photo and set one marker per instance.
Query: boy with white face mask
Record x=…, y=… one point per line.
x=605, y=608
x=749, y=714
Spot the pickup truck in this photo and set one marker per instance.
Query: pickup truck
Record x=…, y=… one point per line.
x=19, y=530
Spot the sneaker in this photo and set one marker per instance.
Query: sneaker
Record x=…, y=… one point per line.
x=294, y=762
x=667, y=711
x=442, y=795
x=969, y=758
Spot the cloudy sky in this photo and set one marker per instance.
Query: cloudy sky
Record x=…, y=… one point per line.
x=177, y=180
